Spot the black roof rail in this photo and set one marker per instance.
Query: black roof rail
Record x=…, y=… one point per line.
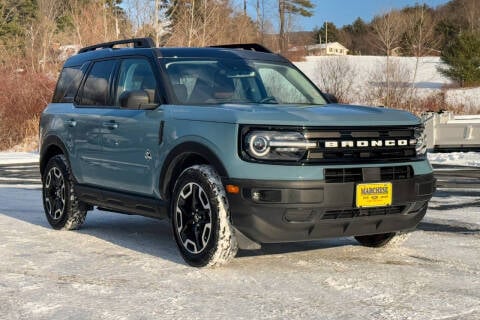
x=244, y=46
x=137, y=43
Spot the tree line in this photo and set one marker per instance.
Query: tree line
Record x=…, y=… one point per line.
x=451, y=31
x=32, y=30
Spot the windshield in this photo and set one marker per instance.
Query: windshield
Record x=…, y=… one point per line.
x=198, y=81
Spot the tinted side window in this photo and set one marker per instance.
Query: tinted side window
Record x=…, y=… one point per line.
x=134, y=75
x=95, y=91
x=67, y=85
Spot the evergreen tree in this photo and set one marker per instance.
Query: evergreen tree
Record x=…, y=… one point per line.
x=328, y=33
x=291, y=7
x=15, y=16
x=358, y=32
x=462, y=55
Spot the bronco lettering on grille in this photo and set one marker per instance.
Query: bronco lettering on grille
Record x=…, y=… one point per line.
x=368, y=143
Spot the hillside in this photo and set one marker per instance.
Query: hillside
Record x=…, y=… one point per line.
x=365, y=76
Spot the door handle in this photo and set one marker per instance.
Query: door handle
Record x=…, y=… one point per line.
x=110, y=125
x=71, y=123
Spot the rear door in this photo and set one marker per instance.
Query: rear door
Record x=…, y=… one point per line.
x=92, y=104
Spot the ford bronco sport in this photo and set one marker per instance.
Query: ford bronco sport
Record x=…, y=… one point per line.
x=234, y=144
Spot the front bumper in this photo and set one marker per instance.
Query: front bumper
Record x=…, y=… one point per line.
x=283, y=211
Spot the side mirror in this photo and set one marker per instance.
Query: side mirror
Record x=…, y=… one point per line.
x=330, y=98
x=137, y=99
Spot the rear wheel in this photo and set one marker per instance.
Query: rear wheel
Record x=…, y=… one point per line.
x=201, y=218
x=62, y=207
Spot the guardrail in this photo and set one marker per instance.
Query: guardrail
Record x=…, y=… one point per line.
x=457, y=177
x=448, y=132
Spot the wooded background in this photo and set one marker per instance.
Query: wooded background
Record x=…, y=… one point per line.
x=36, y=36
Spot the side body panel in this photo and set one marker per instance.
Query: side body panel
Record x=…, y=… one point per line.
x=130, y=150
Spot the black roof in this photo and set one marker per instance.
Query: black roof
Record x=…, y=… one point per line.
x=209, y=52
x=218, y=52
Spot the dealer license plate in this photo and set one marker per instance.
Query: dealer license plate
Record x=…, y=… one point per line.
x=374, y=194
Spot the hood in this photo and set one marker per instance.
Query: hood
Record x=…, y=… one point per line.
x=288, y=115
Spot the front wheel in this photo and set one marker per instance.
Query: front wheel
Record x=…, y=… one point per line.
x=391, y=239
x=201, y=218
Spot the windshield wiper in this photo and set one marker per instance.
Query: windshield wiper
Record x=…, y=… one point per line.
x=269, y=99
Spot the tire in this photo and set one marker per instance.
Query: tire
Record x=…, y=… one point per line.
x=62, y=208
x=201, y=218
x=389, y=240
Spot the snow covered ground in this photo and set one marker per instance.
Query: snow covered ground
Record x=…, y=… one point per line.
x=469, y=159
x=365, y=69
x=18, y=157
x=128, y=267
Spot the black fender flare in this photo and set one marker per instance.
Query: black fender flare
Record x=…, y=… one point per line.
x=178, y=155
x=49, y=142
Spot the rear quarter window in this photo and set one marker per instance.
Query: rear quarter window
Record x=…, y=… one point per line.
x=67, y=85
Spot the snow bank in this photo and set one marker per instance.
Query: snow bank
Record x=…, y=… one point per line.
x=466, y=97
x=470, y=159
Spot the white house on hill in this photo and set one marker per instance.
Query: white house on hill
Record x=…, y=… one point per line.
x=327, y=49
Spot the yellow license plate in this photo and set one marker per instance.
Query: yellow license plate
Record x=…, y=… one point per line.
x=374, y=194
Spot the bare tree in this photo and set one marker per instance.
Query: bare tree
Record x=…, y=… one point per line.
x=97, y=21
x=196, y=22
x=471, y=10
x=40, y=33
x=150, y=18
x=49, y=12
x=336, y=75
x=396, y=93
x=388, y=30
x=260, y=19
x=208, y=22
x=420, y=38
x=89, y=25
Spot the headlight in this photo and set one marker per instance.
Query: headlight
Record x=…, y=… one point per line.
x=421, y=141
x=276, y=145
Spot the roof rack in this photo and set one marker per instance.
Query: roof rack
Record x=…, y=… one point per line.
x=244, y=46
x=137, y=43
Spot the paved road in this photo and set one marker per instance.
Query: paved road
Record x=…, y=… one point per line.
x=448, y=176
x=19, y=174
x=457, y=177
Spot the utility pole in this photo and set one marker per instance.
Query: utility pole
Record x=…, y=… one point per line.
x=245, y=7
x=326, y=32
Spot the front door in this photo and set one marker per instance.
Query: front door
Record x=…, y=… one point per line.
x=130, y=138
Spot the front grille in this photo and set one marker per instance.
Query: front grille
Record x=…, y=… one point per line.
x=396, y=173
x=361, y=144
x=342, y=175
x=361, y=212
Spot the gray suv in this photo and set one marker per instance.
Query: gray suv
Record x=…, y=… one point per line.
x=233, y=144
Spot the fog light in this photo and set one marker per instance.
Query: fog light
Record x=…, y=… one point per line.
x=256, y=196
x=267, y=195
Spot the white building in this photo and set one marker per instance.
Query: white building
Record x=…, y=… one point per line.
x=327, y=49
